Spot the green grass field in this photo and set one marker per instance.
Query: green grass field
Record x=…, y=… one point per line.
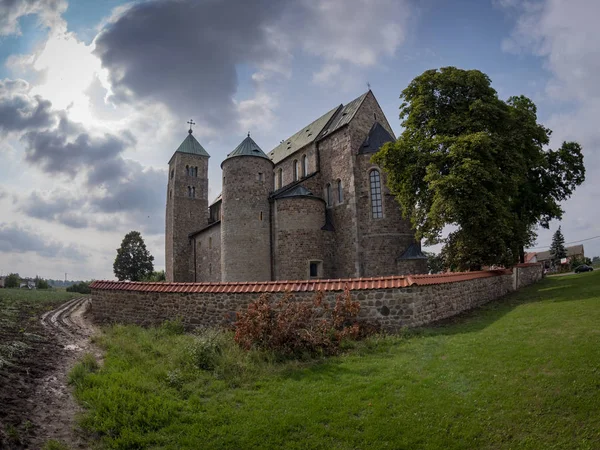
x=523, y=372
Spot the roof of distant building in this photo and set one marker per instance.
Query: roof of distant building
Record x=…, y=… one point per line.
x=326, y=124
x=302, y=138
x=297, y=191
x=571, y=251
x=192, y=146
x=344, y=115
x=375, y=139
x=413, y=252
x=247, y=148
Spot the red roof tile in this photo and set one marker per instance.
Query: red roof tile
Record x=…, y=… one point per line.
x=340, y=284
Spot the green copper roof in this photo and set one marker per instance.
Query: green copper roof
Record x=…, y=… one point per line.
x=191, y=145
x=247, y=148
x=302, y=138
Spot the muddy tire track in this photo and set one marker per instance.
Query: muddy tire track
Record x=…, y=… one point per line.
x=52, y=410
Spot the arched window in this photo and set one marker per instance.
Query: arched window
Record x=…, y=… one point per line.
x=189, y=191
x=376, y=201
x=193, y=192
x=172, y=173
x=296, y=170
x=195, y=171
x=187, y=170
x=280, y=178
x=305, y=165
x=275, y=180
x=340, y=192
x=328, y=194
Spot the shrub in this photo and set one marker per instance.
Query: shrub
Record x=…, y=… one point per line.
x=293, y=328
x=12, y=280
x=172, y=327
x=206, y=348
x=82, y=288
x=41, y=284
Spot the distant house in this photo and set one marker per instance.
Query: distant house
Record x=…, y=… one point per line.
x=27, y=284
x=575, y=251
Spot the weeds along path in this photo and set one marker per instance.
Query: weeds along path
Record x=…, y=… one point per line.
x=54, y=408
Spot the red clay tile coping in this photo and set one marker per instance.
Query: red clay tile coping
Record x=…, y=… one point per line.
x=340, y=284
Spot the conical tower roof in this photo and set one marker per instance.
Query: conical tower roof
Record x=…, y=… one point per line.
x=192, y=146
x=247, y=148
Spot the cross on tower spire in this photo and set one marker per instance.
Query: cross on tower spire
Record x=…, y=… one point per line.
x=191, y=122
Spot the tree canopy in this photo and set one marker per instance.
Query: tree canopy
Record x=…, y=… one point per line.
x=133, y=261
x=468, y=159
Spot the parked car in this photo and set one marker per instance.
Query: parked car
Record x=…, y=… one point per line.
x=583, y=268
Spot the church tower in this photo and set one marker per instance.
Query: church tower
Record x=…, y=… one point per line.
x=245, y=218
x=187, y=206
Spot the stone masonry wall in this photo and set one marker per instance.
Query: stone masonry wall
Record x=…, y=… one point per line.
x=337, y=164
x=287, y=165
x=429, y=298
x=245, y=223
x=184, y=215
x=208, y=254
x=528, y=273
x=298, y=238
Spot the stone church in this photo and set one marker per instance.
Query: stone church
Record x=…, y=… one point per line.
x=315, y=206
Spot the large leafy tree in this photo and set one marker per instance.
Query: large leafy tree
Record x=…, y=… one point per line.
x=133, y=261
x=557, y=248
x=468, y=159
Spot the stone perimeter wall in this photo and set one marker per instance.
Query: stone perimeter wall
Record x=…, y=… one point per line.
x=393, y=308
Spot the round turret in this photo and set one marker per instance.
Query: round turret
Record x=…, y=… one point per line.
x=245, y=218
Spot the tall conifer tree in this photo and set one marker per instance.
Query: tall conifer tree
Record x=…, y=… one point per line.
x=557, y=249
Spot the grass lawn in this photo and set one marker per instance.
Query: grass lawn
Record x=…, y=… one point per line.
x=523, y=372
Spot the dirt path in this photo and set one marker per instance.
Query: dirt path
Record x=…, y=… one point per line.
x=44, y=401
x=55, y=409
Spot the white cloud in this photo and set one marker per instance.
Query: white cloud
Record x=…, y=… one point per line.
x=48, y=12
x=326, y=74
x=565, y=34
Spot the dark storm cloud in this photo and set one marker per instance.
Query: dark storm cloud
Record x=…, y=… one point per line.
x=69, y=149
x=55, y=143
x=114, y=186
x=139, y=196
x=184, y=53
x=11, y=11
x=56, y=208
x=19, y=111
x=17, y=239
x=131, y=200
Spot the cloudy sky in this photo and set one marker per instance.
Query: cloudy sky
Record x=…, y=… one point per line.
x=95, y=95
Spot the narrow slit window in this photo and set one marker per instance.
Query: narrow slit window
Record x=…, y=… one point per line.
x=328, y=194
x=260, y=216
x=296, y=170
x=280, y=178
x=209, y=242
x=305, y=164
x=340, y=192
x=376, y=200
x=314, y=269
x=187, y=170
x=193, y=192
